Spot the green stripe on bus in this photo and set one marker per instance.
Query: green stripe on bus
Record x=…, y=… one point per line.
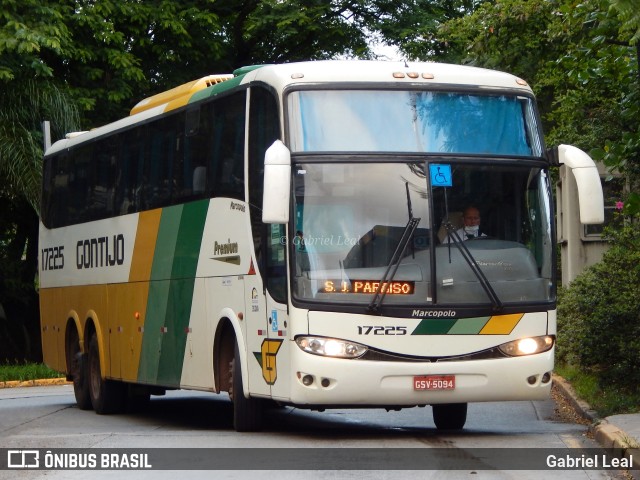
x=185, y=264
x=469, y=326
x=166, y=244
x=439, y=326
x=451, y=326
x=159, y=291
x=187, y=251
x=170, y=293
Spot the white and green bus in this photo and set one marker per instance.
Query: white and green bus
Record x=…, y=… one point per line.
x=290, y=234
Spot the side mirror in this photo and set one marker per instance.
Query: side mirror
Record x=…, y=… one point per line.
x=588, y=180
x=277, y=184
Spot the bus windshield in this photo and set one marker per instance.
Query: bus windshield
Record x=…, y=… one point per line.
x=350, y=217
x=412, y=121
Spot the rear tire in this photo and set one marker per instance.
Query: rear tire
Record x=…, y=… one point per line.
x=77, y=364
x=107, y=396
x=247, y=412
x=450, y=416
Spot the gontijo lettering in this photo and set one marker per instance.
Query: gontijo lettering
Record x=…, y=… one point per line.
x=100, y=252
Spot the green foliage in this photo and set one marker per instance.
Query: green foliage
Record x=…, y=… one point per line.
x=599, y=315
x=29, y=29
x=630, y=16
x=505, y=34
x=23, y=106
x=602, y=71
x=23, y=371
x=413, y=25
x=607, y=400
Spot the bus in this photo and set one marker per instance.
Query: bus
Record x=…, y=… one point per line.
x=290, y=235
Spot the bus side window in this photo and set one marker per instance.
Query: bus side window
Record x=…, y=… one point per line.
x=129, y=182
x=165, y=147
x=226, y=152
x=264, y=129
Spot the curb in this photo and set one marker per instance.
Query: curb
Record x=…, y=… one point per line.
x=581, y=407
x=34, y=383
x=608, y=435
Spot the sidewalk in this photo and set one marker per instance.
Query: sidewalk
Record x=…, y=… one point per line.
x=618, y=432
x=34, y=383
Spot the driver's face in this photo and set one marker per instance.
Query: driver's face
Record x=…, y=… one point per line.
x=471, y=217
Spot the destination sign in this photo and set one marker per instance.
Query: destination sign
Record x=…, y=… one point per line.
x=368, y=287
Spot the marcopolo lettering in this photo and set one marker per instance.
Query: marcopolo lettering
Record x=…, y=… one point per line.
x=434, y=313
x=237, y=206
x=100, y=252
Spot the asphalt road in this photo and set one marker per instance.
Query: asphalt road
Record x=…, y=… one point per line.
x=47, y=418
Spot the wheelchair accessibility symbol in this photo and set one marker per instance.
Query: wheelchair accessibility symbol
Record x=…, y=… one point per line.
x=440, y=175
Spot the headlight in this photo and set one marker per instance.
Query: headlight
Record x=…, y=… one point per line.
x=331, y=347
x=527, y=346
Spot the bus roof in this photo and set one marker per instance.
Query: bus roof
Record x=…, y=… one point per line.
x=281, y=76
x=397, y=73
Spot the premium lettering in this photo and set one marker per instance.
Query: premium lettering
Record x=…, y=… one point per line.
x=225, y=248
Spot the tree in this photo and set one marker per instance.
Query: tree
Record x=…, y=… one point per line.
x=582, y=61
x=29, y=30
x=125, y=50
x=21, y=149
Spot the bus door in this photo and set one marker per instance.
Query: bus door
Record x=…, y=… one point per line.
x=268, y=320
x=255, y=333
x=276, y=362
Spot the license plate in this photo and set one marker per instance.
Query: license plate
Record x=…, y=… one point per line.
x=434, y=382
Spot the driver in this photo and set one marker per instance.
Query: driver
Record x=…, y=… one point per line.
x=471, y=228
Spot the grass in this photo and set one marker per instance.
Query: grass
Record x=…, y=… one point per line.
x=607, y=400
x=26, y=371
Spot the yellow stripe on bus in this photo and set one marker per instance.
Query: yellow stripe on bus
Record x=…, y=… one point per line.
x=127, y=312
x=145, y=246
x=501, y=324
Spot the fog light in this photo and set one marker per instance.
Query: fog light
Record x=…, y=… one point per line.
x=532, y=380
x=325, y=382
x=307, y=380
x=546, y=377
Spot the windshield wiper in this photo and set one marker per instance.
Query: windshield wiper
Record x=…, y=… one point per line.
x=471, y=261
x=392, y=268
x=397, y=256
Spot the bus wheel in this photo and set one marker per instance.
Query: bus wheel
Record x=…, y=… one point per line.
x=77, y=362
x=247, y=412
x=107, y=396
x=450, y=416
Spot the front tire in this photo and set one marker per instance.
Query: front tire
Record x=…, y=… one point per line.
x=247, y=412
x=450, y=416
x=107, y=396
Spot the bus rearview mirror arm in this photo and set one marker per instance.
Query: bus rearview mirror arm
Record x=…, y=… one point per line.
x=587, y=179
x=277, y=184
